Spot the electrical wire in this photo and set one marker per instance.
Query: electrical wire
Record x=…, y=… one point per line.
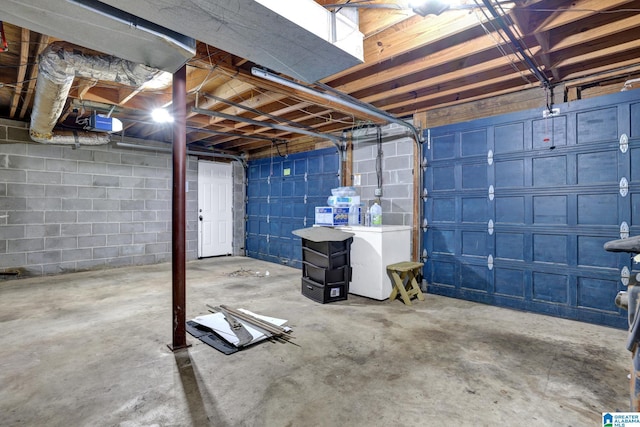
x=499, y=45
x=5, y=45
x=519, y=34
x=286, y=146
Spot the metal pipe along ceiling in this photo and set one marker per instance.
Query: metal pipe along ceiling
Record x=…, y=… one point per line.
x=189, y=152
x=335, y=139
x=58, y=65
x=351, y=102
x=267, y=124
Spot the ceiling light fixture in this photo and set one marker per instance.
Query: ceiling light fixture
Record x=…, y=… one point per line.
x=429, y=7
x=160, y=115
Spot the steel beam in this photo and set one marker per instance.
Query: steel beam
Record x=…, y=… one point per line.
x=178, y=224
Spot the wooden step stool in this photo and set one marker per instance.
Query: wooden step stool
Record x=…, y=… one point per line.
x=403, y=275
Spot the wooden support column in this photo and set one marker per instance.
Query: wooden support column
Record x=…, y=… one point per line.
x=347, y=168
x=178, y=238
x=417, y=200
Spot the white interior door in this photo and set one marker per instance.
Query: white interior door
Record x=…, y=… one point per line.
x=215, y=215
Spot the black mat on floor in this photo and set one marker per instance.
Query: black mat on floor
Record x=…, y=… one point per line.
x=209, y=337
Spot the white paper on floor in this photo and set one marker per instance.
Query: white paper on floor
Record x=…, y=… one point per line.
x=219, y=325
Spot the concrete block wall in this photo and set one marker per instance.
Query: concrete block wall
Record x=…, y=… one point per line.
x=64, y=209
x=397, y=171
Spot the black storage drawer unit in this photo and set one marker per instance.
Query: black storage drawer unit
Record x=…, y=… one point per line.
x=330, y=261
x=328, y=247
x=326, y=263
x=328, y=292
x=323, y=275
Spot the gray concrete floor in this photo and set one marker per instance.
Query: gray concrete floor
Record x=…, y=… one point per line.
x=90, y=349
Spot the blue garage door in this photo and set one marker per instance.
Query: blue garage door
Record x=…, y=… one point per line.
x=282, y=194
x=519, y=208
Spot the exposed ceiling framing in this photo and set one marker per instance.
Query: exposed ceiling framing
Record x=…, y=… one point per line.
x=412, y=64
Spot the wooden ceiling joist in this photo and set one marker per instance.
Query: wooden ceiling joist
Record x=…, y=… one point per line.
x=22, y=71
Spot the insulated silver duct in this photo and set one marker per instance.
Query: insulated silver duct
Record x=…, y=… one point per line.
x=59, y=64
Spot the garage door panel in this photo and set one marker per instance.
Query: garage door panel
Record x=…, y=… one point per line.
x=510, y=210
x=597, y=209
x=444, y=210
x=274, y=227
x=550, y=171
x=509, y=245
x=263, y=207
x=265, y=170
x=549, y=132
x=299, y=209
x=509, y=282
x=286, y=187
x=590, y=252
x=474, y=142
x=474, y=243
x=444, y=147
x=550, y=210
x=277, y=167
x=263, y=187
x=253, y=189
x=263, y=246
x=444, y=273
x=474, y=209
x=509, y=174
x=597, y=294
x=474, y=176
x=287, y=226
x=314, y=165
x=275, y=206
x=299, y=167
x=275, y=187
x=509, y=138
x=253, y=226
x=635, y=209
x=474, y=277
x=264, y=226
x=635, y=120
x=252, y=246
x=320, y=186
x=253, y=172
x=253, y=210
x=444, y=178
x=300, y=186
x=597, y=125
x=550, y=248
x=635, y=164
x=550, y=287
x=444, y=241
x=287, y=205
x=598, y=168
